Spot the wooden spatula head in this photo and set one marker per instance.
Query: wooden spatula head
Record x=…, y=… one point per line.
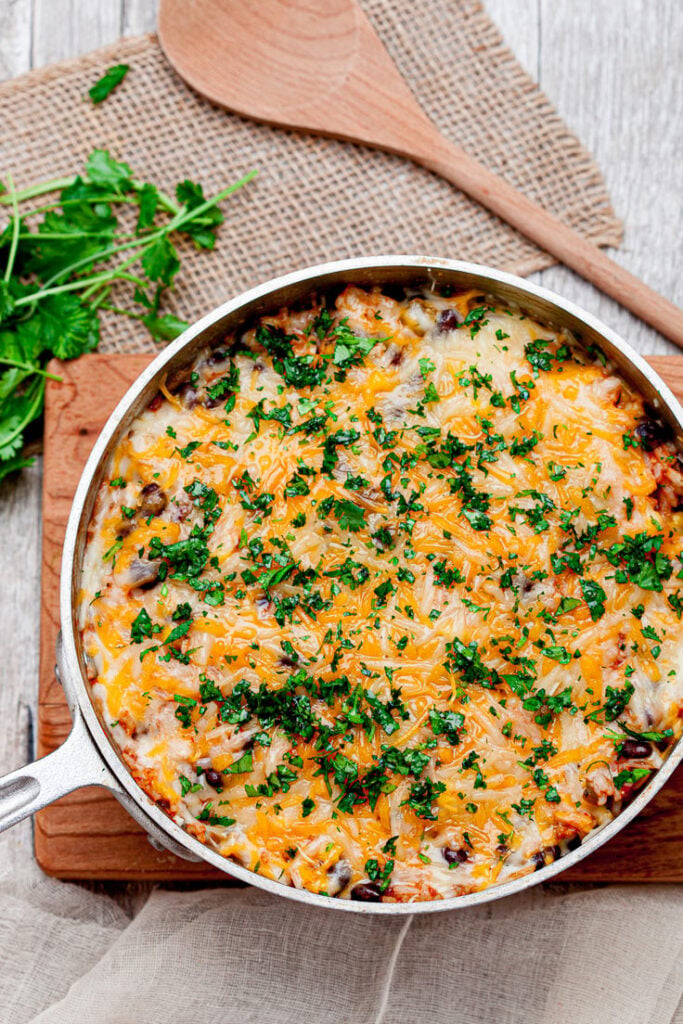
x=315, y=65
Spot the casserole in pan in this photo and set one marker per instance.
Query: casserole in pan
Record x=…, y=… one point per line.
x=478, y=736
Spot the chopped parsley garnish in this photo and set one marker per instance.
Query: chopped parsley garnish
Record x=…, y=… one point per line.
x=639, y=560
x=333, y=622
x=630, y=777
x=617, y=701
x=465, y=659
x=307, y=806
x=422, y=798
x=141, y=627
x=380, y=875
x=448, y=723
x=594, y=597
x=350, y=516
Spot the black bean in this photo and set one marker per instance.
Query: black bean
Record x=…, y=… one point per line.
x=339, y=876
x=633, y=750
x=153, y=500
x=574, y=843
x=187, y=395
x=453, y=856
x=525, y=584
x=394, y=291
x=219, y=355
x=143, y=574
x=546, y=856
x=651, y=433
x=448, y=320
x=211, y=403
x=214, y=778
x=367, y=892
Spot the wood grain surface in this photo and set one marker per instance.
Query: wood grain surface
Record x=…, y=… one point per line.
x=88, y=834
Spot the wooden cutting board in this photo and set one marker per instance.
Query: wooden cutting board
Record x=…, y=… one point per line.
x=88, y=834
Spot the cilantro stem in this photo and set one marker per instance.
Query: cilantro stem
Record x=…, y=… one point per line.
x=116, y=275
x=51, y=236
x=32, y=411
x=37, y=190
x=168, y=204
x=16, y=224
x=141, y=253
x=173, y=225
x=57, y=184
x=86, y=283
x=121, y=311
x=31, y=367
x=74, y=286
x=196, y=211
x=99, y=301
x=99, y=257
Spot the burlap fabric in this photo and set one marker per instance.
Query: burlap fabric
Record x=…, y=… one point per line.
x=317, y=199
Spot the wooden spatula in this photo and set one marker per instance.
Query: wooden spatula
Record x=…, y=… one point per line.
x=317, y=65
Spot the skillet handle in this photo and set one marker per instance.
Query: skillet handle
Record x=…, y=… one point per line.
x=76, y=763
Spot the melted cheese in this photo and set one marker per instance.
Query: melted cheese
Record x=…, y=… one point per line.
x=402, y=530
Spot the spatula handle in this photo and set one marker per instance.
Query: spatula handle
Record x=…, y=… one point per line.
x=551, y=234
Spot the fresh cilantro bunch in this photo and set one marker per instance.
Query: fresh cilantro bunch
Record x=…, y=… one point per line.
x=60, y=257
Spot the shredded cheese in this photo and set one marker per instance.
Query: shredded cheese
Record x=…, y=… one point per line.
x=383, y=599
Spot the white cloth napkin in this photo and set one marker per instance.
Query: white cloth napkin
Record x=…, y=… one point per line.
x=565, y=955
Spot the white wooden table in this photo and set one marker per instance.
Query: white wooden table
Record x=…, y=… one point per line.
x=612, y=68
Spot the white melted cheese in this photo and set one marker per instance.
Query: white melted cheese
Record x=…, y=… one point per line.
x=419, y=581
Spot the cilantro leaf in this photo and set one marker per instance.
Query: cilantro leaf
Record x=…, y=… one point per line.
x=13, y=464
x=243, y=764
x=61, y=261
x=307, y=806
x=103, y=169
x=639, y=559
x=448, y=723
x=160, y=262
x=166, y=327
x=350, y=348
x=105, y=85
x=350, y=516
x=69, y=328
x=200, y=227
x=465, y=659
x=148, y=202
x=422, y=797
x=186, y=557
x=594, y=597
x=616, y=702
x=558, y=653
x=630, y=777
x=141, y=627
